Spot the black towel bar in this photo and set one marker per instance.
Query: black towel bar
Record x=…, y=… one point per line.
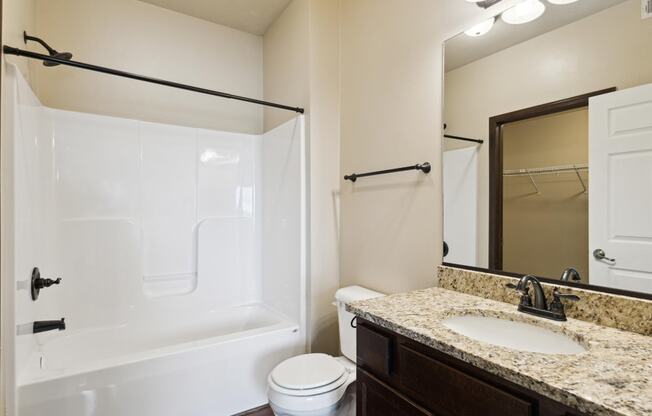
x=424, y=167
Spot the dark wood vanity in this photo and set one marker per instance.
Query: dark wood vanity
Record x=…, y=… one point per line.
x=398, y=376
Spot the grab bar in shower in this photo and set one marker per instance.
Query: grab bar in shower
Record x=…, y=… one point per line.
x=424, y=167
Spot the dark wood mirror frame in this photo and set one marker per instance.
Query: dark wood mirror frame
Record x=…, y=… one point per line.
x=496, y=189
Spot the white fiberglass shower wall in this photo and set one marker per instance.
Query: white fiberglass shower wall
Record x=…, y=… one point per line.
x=181, y=253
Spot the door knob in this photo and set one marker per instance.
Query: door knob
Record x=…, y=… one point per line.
x=599, y=254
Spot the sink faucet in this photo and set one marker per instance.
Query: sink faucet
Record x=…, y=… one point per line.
x=570, y=273
x=539, y=296
x=540, y=307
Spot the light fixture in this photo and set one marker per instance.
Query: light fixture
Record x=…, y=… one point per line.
x=485, y=4
x=523, y=12
x=561, y=1
x=481, y=28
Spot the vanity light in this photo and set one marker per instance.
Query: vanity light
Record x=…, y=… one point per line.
x=523, y=12
x=561, y=1
x=481, y=28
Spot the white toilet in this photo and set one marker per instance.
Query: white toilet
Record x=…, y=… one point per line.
x=314, y=384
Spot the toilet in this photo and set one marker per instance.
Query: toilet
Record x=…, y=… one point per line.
x=314, y=384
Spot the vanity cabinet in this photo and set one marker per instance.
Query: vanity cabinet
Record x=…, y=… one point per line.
x=398, y=376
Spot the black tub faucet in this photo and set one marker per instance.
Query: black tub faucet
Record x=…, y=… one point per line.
x=42, y=326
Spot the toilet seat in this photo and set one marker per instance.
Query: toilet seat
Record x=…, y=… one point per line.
x=319, y=382
x=308, y=375
x=308, y=392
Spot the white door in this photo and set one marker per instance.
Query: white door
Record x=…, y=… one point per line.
x=461, y=205
x=620, y=189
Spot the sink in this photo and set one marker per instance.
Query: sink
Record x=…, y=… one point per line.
x=514, y=335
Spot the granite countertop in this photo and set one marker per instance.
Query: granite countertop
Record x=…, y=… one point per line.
x=613, y=377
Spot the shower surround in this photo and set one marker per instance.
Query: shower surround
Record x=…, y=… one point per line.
x=181, y=253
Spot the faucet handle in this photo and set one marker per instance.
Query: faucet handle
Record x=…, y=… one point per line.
x=518, y=289
x=524, y=292
x=557, y=295
x=557, y=307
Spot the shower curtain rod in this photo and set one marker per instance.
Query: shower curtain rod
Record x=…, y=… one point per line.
x=53, y=59
x=466, y=139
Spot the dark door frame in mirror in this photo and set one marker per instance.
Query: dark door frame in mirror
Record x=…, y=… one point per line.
x=496, y=163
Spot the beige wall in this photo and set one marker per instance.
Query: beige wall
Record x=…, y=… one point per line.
x=302, y=67
x=134, y=36
x=610, y=48
x=391, y=71
x=286, y=62
x=18, y=16
x=391, y=83
x=545, y=232
x=324, y=171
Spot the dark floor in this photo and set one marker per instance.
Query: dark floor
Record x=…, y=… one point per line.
x=260, y=411
x=346, y=408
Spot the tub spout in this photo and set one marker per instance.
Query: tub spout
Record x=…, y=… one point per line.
x=42, y=326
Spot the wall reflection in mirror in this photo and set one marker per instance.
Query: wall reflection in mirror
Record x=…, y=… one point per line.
x=563, y=177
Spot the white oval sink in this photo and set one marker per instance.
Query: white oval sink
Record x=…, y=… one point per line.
x=514, y=335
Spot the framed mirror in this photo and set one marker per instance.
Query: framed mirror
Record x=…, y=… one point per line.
x=547, y=155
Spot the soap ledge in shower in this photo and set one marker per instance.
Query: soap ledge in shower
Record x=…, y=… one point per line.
x=157, y=286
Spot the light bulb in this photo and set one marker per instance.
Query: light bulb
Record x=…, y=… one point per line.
x=523, y=12
x=481, y=28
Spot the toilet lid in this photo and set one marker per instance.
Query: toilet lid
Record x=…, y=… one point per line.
x=307, y=371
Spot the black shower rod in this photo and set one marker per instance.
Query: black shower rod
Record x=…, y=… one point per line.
x=58, y=60
x=464, y=139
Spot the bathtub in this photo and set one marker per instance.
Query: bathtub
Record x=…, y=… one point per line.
x=216, y=366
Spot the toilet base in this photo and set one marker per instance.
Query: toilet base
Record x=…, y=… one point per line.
x=345, y=407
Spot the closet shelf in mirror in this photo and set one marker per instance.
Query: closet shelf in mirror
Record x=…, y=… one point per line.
x=550, y=170
x=582, y=167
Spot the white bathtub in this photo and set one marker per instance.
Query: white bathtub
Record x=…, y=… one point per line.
x=216, y=366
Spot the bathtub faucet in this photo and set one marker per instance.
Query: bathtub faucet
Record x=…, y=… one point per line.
x=42, y=326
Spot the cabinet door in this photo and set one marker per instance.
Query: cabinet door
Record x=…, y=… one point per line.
x=374, y=351
x=452, y=392
x=374, y=398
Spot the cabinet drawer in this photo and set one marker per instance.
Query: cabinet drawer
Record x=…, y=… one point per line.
x=375, y=398
x=448, y=391
x=374, y=350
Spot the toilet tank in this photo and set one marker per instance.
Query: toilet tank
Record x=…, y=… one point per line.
x=347, y=332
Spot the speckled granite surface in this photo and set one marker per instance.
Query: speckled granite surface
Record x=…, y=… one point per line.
x=622, y=312
x=613, y=377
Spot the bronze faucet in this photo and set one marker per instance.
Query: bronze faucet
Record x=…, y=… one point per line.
x=540, y=307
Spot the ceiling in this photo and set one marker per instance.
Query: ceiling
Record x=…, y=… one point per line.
x=252, y=16
x=462, y=49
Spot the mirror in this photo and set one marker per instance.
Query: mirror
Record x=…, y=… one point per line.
x=547, y=156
